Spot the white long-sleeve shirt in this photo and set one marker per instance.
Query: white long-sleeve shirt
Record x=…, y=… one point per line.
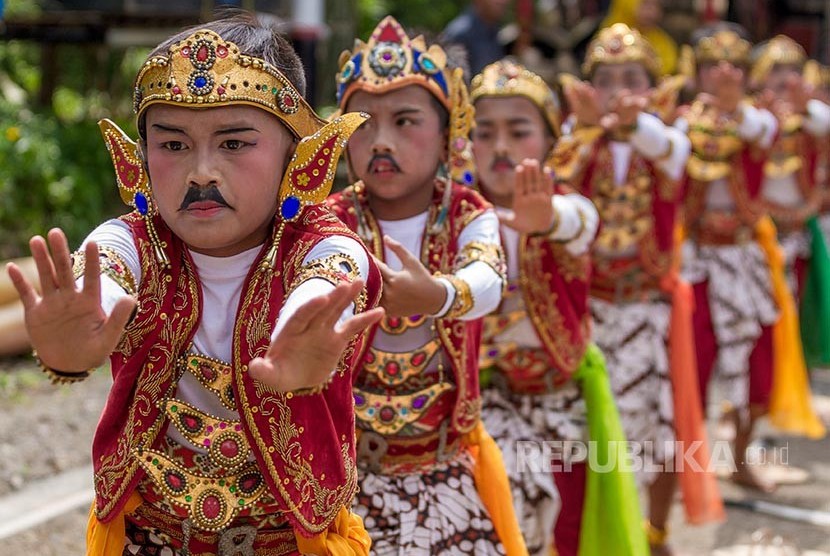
x=221, y=280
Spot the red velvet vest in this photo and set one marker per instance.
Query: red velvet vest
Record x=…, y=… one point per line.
x=304, y=445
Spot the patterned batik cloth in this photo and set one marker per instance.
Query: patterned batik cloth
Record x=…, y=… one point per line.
x=521, y=425
x=633, y=337
x=740, y=302
x=436, y=513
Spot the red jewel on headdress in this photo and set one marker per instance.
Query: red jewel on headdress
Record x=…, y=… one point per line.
x=615, y=46
x=220, y=90
x=202, y=53
x=389, y=34
x=288, y=101
x=176, y=90
x=186, y=52
x=221, y=51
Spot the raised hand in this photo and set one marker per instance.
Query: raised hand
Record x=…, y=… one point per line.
x=729, y=86
x=306, y=351
x=67, y=326
x=411, y=290
x=532, y=207
x=799, y=93
x=584, y=103
x=623, y=110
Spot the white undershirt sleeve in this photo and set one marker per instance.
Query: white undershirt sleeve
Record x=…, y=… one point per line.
x=817, y=121
x=485, y=283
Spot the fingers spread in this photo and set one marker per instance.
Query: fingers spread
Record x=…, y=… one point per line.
x=43, y=262
x=117, y=321
x=27, y=292
x=360, y=322
x=407, y=259
x=60, y=258
x=92, y=271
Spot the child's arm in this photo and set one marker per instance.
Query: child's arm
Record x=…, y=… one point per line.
x=667, y=147
x=475, y=286
x=472, y=290
x=571, y=219
x=318, y=318
x=68, y=327
x=817, y=119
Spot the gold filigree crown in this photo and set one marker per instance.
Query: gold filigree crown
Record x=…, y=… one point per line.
x=780, y=49
x=508, y=79
x=390, y=60
x=725, y=45
x=619, y=44
x=205, y=71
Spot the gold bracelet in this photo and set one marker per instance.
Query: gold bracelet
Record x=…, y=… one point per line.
x=656, y=537
x=666, y=155
x=312, y=390
x=61, y=377
x=463, y=302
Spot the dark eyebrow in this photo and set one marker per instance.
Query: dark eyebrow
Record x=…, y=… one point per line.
x=231, y=130
x=235, y=128
x=168, y=128
x=407, y=111
x=520, y=120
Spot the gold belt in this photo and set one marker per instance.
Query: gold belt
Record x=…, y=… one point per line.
x=401, y=455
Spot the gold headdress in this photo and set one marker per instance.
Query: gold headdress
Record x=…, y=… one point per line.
x=391, y=60
x=215, y=73
x=778, y=50
x=619, y=44
x=508, y=79
x=725, y=45
x=204, y=71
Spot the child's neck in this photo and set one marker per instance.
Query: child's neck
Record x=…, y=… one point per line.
x=413, y=204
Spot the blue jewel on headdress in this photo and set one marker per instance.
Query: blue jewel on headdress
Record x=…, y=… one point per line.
x=428, y=65
x=290, y=207
x=468, y=178
x=141, y=203
x=200, y=82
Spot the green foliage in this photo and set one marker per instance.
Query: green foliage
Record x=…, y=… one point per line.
x=54, y=168
x=51, y=174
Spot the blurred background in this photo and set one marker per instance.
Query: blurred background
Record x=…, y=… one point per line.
x=66, y=64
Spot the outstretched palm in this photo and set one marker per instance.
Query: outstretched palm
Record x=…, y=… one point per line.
x=307, y=349
x=66, y=325
x=532, y=206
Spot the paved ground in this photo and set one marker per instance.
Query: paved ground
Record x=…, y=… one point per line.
x=46, y=431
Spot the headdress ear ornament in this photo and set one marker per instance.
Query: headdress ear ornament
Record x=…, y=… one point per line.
x=133, y=182
x=310, y=174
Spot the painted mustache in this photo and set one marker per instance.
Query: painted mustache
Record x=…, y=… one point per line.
x=200, y=194
x=379, y=159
